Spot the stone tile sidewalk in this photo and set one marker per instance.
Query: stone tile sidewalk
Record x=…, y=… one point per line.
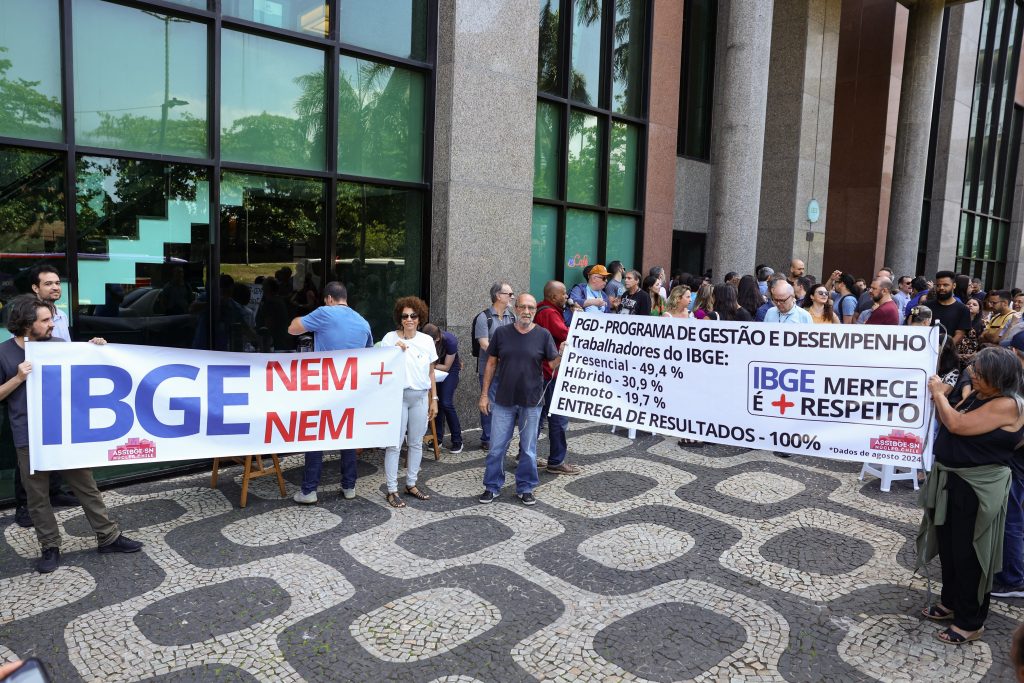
x=657, y=563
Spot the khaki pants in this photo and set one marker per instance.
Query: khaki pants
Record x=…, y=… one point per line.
x=37, y=487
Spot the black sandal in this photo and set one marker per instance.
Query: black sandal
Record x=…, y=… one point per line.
x=951, y=637
x=415, y=492
x=937, y=613
x=395, y=501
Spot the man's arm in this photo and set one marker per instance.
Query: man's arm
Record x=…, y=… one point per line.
x=492, y=364
x=16, y=381
x=296, y=327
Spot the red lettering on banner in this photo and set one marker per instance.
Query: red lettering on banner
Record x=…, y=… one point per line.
x=310, y=425
x=314, y=374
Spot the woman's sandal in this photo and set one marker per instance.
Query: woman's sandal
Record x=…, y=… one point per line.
x=937, y=613
x=395, y=501
x=415, y=492
x=951, y=637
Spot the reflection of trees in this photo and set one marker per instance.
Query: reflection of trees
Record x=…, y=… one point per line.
x=584, y=155
x=622, y=166
x=31, y=200
x=381, y=120
x=546, y=158
x=24, y=111
x=281, y=212
x=547, y=63
x=627, y=55
x=185, y=135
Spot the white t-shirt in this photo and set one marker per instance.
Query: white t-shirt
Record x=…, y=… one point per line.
x=419, y=356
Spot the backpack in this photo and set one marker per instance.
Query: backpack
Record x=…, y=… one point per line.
x=472, y=330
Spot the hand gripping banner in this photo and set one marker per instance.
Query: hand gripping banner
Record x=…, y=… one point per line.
x=91, y=405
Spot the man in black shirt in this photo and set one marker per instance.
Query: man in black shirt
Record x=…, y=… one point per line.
x=32, y=320
x=954, y=316
x=516, y=355
x=635, y=301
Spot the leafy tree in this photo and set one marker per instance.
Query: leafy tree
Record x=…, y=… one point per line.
x=24, y=111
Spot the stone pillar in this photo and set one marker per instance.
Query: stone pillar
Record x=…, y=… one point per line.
x=485, y=111
x=798, y=132
x=951, y=137
x=917, y=92
x=737, y=137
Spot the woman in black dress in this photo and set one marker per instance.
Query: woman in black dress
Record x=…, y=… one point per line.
x=974, y=451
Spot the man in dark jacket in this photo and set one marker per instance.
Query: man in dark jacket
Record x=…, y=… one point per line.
x=550, y=317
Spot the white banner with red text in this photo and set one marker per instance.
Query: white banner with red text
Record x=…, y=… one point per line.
x=93, y=405
x=849, y=392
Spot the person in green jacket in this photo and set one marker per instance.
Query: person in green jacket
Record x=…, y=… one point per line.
x=964, y=499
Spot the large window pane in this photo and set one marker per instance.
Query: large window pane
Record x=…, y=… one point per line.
x=546, y=151
x=31, y=222
x=696, y=91
x=272, y=102
x=305, y=16
x=549, y=48
x=271, y=228
x=628, y=56
x=622, y=161
x=140, y=80
x=143, y=245
x=380, y=239
x=586, y=51
x=584, y=158
x=30, y=70
x=395, y=27
x=621, y=242
x=581, y=228
x=543, y=243
x=380, y=120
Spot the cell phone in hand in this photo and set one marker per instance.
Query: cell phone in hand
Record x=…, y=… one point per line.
x=32, y=671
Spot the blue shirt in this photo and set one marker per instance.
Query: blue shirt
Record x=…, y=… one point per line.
x=338, y=328
x=795, y=315
x=762, y=311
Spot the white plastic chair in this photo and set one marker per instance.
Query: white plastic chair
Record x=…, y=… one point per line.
x=631, y=433
x=888, y=474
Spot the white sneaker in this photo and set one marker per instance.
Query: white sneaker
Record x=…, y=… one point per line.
x=304, y=498
x=348, y=494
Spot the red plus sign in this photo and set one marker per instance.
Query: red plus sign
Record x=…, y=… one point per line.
x=782, y=404
x=381, y=374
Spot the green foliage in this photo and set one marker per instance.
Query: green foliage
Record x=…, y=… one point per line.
x=31, y=200
x=24, y=111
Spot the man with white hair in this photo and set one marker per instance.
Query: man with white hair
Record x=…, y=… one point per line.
x=785, y=309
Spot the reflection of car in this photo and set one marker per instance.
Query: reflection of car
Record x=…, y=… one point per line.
x=137, y=323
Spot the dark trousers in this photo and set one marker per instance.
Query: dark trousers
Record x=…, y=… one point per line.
x=557, y=425
x=446, y=407
x=1013, y=537
x=21, y=498
x=37, y=487
x=314, y=465
x=961, y=571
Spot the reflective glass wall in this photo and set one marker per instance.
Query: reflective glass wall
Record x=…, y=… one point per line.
x=197, y=171
x=591, y=136
x=993, y=146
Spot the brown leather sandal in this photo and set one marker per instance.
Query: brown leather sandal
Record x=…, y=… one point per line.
x=395, y=501
x=415, y=492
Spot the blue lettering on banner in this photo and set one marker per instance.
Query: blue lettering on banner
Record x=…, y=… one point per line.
x=84, y=403
x=790, y=379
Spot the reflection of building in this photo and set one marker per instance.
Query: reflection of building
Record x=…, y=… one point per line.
x=437, y=146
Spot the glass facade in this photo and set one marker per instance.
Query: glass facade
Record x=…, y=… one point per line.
x=591, y=137
x=219, y=177
x=696, y=89
x=993, y=147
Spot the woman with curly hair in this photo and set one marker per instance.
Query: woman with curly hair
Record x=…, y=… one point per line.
x=419, y=400
x=819, y=305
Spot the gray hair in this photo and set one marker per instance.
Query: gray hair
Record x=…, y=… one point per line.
x=496, y=288
x=999, y=368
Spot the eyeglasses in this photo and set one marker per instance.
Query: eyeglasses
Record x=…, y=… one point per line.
x=821, y=292
x=778, y=302
x=507, y=293
x=410, y=316
x=527, y=308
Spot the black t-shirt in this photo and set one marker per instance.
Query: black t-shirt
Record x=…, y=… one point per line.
x=953, y=317
x=11, y=356
x=520, y=378
x=638, y=303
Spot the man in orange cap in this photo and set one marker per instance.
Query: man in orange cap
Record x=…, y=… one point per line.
x=590, y=295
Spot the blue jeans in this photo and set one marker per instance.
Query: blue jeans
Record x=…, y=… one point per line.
x=1013, y=537
x=315, y=464
x=557, y=424
x=503, y=420
x=485, y=420
x=446, y=408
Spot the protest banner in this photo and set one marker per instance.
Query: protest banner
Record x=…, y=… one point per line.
x=92, y=405
x=854, y=393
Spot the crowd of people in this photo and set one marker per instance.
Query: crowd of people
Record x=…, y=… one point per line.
x=976, y=490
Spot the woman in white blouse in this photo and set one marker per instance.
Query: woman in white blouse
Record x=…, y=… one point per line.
x=419, y=400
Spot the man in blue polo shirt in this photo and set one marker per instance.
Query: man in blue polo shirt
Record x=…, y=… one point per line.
x=336, y=327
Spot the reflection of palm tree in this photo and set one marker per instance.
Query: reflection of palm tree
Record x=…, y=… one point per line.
x=310, y=107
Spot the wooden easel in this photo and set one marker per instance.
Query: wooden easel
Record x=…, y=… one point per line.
x=250, y=473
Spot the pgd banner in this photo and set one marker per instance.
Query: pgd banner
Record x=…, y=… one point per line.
x=91, y=405
x=847, y=392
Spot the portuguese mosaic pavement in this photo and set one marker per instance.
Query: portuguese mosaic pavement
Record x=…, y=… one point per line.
x=655, y=564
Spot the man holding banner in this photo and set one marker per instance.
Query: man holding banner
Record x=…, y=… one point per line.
x=31, y=319
x=336, y=327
